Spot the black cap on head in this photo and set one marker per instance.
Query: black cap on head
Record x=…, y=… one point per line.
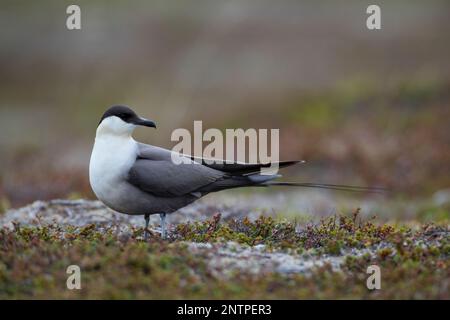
x=127, y=115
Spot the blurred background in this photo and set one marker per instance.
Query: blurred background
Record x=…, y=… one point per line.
x=362, y=107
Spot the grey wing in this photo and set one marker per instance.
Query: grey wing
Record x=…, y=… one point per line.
x=235, y=168
x=154, y=172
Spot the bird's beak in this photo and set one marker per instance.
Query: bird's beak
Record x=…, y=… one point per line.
x=144, y=122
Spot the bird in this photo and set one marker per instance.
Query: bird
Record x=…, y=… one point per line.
x=134, y=178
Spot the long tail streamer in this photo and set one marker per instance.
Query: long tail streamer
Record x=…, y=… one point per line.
x=339, y=187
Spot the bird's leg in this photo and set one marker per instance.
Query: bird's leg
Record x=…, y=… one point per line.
x=163, y=225
x=147, y=220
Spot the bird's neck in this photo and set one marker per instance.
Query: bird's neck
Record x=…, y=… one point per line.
x=104, y=132
x=113, y=135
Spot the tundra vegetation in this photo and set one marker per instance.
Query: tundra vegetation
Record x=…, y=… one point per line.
x=236, y=258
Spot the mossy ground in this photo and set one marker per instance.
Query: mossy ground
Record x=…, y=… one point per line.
x=413, y=261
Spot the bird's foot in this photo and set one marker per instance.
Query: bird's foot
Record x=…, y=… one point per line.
x=149, y=233
x=161, y=233
x=155, y=233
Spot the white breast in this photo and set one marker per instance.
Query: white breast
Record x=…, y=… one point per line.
x=111, y=159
